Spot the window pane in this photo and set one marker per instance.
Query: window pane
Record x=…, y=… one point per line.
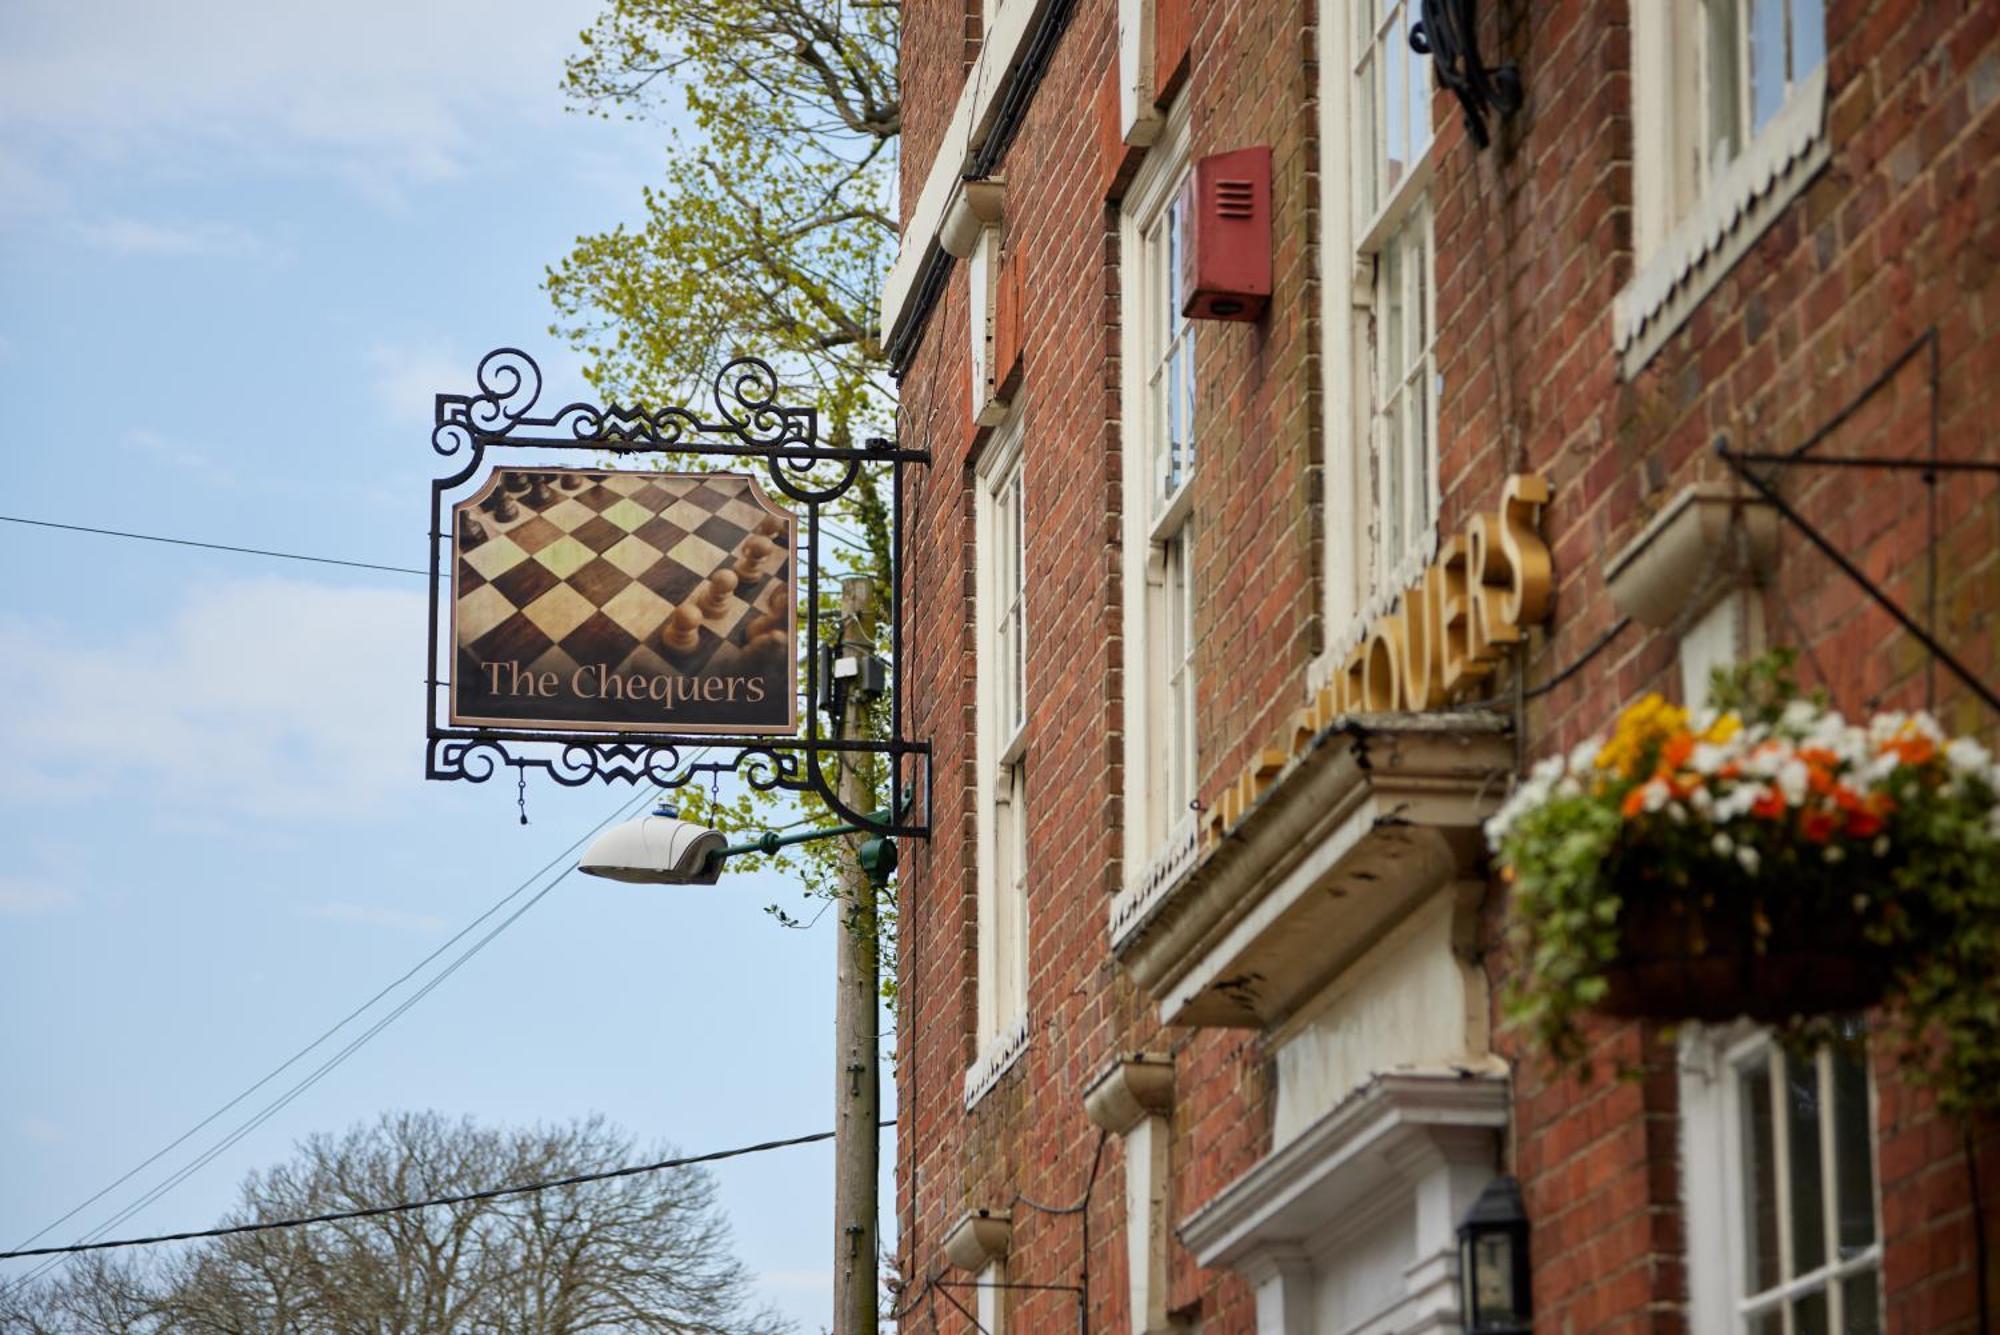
x=1365, y=147
x=1418, y=451
x=1396, y=142
x=1725, y=82
x=1808, y=1193
x=1854, y=1167
x=1767, y=1323
x=1861, y=1305
x=1420, y=91
x=1391, y=288
x=1809, y=1315
x=1768, y=63
x=1184, y=441
x=1760, y=1177
x=1808, y=37
x=1391, y=468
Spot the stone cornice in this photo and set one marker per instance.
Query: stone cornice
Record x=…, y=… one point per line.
x=1373, y=814
x=1392, y=1130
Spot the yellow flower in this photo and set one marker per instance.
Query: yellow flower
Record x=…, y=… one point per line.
x=1647, y=722
x=1725, y=727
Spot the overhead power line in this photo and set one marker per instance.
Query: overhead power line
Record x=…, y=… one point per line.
x=258, y=1119
x=402, y=1207
x=212, y=546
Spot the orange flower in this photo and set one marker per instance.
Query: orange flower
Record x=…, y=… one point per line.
x=1863, y=825
x=1912, y=748
x=1771, y=806
x=1635, y=802
x=1817, y=825
x=1676, y=752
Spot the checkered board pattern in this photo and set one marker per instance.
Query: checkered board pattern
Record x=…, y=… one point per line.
x=585, y=568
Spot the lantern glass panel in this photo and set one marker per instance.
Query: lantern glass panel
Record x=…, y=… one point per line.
x=1493, y=1300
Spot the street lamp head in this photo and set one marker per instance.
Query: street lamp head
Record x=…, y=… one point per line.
x=657, y=849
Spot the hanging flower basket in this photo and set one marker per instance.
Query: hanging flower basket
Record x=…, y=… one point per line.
x=1767, y=859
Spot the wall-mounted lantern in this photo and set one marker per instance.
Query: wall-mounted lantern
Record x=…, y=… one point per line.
x=1493, y=1263
x=1225, y=221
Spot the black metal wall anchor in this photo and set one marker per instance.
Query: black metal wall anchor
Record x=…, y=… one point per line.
x=1449, y=34
x=745, y=424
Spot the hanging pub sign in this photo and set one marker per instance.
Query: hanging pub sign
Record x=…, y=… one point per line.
x=595, y=600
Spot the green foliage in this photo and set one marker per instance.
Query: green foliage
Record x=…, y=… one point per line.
x=769, y=236
x=1778, y=805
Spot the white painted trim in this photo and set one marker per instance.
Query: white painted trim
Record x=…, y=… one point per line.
x=1001, y=1003
x=971, y=121
x=1739, y=203
x=1138, y=86
x=1425, y=1141
x=995, y=1060
x=1152, y=192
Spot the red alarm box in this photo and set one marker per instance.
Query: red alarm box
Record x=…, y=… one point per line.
x=1225, y=224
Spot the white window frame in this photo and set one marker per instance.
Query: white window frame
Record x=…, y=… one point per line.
x=1000, y=606
x=1367, y=562
x=1695, y=214
x=1715, y=1186
x=1157, y=353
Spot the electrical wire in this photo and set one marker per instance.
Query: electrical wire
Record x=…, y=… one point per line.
x=344, y=1021
x=404, y=1207
x=213, y=546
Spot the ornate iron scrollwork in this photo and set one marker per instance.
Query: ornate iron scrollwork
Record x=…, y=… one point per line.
x=750, y=424
x=1449, y=34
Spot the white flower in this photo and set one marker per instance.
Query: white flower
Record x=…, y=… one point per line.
x=1722, y=844
x=1881, y=846
x=1583, y=756
x=1677, y=813
x=1748, y=857
x=1966, y=756
x=1833, y=853
x=1569, y=788
x=1884, y=727
x=1798, y=716
x=1707, y=758
x=1701, y=800
x=1657, y=794
x=1547, y=769
x=1792, y=778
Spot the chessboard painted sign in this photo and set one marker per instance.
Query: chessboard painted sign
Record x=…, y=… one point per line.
x=627, y=602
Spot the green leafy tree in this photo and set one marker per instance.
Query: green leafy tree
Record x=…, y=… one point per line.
x=770, y=236
x=650, y=1252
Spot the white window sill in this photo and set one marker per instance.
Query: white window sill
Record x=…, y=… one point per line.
x=1732, y=213
x=996, y=1058
x=1157, y=878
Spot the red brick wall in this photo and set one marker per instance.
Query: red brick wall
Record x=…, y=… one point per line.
x=1900, y=233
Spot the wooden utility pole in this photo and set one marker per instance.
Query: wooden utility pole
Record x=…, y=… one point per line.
x=857, y=1153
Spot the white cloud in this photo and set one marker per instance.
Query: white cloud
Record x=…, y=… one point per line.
x=269, y=697
x=381, y=93
x=366, y=915
x=408, y=379
x=145, y=238
x=183, y=458
x=41, y=1130
x=22, y=898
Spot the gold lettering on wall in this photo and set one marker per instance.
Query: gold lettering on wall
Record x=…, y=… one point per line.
x=1453, y=627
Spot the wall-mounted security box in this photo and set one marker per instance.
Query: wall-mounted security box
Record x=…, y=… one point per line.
x=1225, y=219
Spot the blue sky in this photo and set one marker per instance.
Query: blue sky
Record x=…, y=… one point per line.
x=241, y=245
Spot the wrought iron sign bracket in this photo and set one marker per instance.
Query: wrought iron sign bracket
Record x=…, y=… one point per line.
x=1449, y=34
x=749, y=426
x=1930, y=467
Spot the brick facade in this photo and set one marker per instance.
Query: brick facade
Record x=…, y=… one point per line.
x=1897, y=235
